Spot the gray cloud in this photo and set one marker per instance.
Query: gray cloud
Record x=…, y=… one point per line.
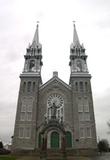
x=7, y=118
x=102, y=113
x=15, y=34
x=104, y=22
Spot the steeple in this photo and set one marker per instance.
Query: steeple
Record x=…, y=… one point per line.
x=75, y=36
x=35, y=42
x=76, y=43
x=36, y=35
x=33, y=57
x=78, y=58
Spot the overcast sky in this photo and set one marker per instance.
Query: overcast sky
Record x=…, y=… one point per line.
x=17, y=26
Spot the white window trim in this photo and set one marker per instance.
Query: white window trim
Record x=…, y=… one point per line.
x=28, y=117
x=25, y=135
x=90, y=132
x=20, y=133
x=21, y=118
x=83, y=137
x=87, y=119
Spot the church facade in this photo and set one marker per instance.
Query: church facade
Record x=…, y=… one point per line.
x=55, y=115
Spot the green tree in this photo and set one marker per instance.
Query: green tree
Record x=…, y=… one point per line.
x=1, y=144
x=103, y=145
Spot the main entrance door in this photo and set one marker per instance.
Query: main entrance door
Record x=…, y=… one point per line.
x=68, y=139
x=54, y=140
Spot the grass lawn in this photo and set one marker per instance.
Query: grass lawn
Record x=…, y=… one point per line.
x=7, y=157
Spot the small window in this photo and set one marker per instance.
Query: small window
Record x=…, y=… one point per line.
x=23, y=107
x=29, y=107
x=76, y=86
x=81, y=116
x=33, y=87
x=29, y=116
x=22, y=116
x=81, y=86
x=32, y=65
x=88, y=132
x=24, y=86
x=87, y=117
x=86, y=86
x=80, y=104
x=86, y=108
x=86, y=105
x=27, y=132
x=29, y=86
x=21, y=132
x=80, y=108
x=82, y=133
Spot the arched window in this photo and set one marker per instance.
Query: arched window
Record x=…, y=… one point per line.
x=29, y=86
x=86, y=86
x=76, y=86
x=24, y=86
x=68, y=139
x=81, y=86
x=33, y=87
x=54, y=140
x=32, y=65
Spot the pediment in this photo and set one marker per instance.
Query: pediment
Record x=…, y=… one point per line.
x=54, y=83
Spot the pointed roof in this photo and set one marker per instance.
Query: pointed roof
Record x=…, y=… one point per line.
x=35, y=41
x=36, y=35
x=75, y=37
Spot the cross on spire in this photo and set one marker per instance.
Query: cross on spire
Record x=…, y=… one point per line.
x=74, y=22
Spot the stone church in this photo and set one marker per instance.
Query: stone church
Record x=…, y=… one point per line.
x=55, y=115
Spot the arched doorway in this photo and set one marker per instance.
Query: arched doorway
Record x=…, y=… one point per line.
x=68, y=140
x=54, y=140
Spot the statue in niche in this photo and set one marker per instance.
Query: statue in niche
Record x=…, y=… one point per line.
x=78, y=66
x=54, y=110
x=32, y=66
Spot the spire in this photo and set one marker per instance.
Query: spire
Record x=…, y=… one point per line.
x=33, y=57
x=35, y=41
x=77, y=55
x=75, y=36
x=36, y=35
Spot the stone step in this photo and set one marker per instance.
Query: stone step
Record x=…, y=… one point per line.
x=54, y=158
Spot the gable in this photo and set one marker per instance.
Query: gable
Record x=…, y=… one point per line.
x=55, y=82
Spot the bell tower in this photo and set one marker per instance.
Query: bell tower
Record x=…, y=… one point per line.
x=33, y=57
x=78, y=65
x=83, y=110
x=28, y=98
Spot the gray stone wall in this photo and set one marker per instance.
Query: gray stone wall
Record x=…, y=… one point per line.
x=39, y=109
x=26, y=142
